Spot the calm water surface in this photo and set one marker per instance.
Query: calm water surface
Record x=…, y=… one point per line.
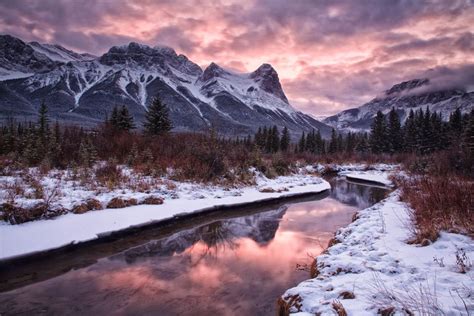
x=230, y=266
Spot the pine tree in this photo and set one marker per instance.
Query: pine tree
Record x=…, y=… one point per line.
x=362, y=146
x=377, y=141
x=114, y=118
x=302, y=143
x=43, y=120
x=285, y=139
x=157, y=121
x=394, y=132
x=125, y=120
x=468, y=136
x=274, y=139
x=409, y=133
x=87, y=152
x=311, y=142
x=333, y=142
x=426, y=142
x=455, y=126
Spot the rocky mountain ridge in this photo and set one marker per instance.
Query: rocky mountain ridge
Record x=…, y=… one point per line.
x=83, y=89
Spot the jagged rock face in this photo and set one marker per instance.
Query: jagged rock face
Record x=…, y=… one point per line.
x=407, y=86
x=268, y=79
x=59, y=54
x=405, y=96
x=82, y=89
x=17, y=56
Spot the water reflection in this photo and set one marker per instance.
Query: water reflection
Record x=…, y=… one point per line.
x=228, y=267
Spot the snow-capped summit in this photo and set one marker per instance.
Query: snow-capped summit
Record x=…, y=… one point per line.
x=212, y=71
x=18, y=59
x=59, y=53
x=408, y=95
x=267, y=77
x=407, y=86
x=156, y=58
x=83, y=89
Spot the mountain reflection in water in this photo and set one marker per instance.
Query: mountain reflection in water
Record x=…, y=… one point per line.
x=235, y=266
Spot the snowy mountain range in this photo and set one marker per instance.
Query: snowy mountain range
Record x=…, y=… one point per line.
x=83, y=89
x=405, y=96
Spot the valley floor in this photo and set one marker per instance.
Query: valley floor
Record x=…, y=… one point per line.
x=370, y=269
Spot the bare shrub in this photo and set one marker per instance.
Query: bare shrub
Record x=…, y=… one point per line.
x=153, y=200
x=420, y=299
x=286, y=304
x=13, y=191
x=121, y=202
x=339, y=308
x=462, y=261
x=439, y=203
x=109, y=175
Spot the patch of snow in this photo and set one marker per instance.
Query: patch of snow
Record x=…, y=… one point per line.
x=372, y=176
x=373, y=261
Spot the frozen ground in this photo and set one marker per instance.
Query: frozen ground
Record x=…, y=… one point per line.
x=179, y=198
x=372, y=269
x=377, y=173
x=381, y=177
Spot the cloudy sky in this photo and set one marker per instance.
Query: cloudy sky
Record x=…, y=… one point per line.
x=330, y=55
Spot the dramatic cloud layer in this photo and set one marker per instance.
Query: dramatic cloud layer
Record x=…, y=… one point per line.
x=330, y=55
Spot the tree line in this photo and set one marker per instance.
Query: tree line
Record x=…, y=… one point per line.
x=423, y=132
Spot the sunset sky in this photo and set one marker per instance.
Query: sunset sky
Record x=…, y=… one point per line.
x=330, y=55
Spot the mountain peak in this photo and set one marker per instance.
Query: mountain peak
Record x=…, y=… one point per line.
x=18, y=56
x=265, y=69
x=212, y=71
x=406, y=86
x=269, y=81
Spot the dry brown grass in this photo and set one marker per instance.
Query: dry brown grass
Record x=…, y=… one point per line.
x=439, y=203
x=285, y=305
x=339, y=308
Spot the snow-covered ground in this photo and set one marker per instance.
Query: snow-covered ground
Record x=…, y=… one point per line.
x=377, y=173
x=179, y=198
x=381, y=177
x=372, y=269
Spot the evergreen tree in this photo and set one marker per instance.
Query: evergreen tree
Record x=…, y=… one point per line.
x=114, y=118
x=362, y=146
x=43, y=132
x=468, y=136
x=274, y=139
x=333, y=142
x=377, y=141
x=311, y=142
x=87, y=152
x=125, y=120
x=302, y=143
x=410, y=133
x=427, y=143
x=394, y=132
x=157, y=121
x=455, y=124
x=285, y=139
x=319, y=148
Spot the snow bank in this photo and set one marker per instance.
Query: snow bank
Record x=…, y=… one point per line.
x=380, y=177
x=41, y=235
x=373, y=262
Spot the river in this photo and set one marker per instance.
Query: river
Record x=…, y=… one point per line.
x=237, y=263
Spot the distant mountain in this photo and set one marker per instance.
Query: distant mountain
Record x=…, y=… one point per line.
x=405, y=96
x=83, y=89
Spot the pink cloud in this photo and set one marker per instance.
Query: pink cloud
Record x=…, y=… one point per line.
x=329, y=55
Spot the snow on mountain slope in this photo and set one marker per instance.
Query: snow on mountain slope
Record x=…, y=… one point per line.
x=84, y=89
x=409, y=95
x=59, y=53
